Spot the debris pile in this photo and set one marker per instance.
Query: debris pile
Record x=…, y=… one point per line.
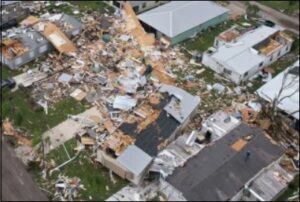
x=67, y=188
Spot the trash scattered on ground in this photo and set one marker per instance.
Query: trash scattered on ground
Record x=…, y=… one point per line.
x=67, y=188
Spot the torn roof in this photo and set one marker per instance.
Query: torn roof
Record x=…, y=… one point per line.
x=29, y=40
x=57, y=38
x=241, y=52
x=183, y=105
x=137, y=164
x=177, y=17
x=220, y=123
x=199, y=179
x=271, y=89
x=268, y=184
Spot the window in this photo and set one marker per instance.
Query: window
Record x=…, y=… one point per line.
x=226, y=71
x=246, y=74
x=144, y=5
x=18, y=61
x=278, y=54
x=287, y=48
x=31, y=54
x=271, y=58
x=260, y=64
x=43, y=49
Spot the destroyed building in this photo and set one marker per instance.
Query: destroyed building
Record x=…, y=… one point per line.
x=29, y=43
x=219, y=171
x=141, y=142
x=288, y=81
x=11, y=13
x=180, y=20
x=239, y=56
x=139, y=6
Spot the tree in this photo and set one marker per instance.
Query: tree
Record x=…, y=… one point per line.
x=271, y=109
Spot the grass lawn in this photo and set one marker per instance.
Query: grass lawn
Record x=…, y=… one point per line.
x=19, y=107
x=95, y=178
x=288, y=7
x=82, y=6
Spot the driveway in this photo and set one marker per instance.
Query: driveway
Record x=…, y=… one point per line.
x=289, y=22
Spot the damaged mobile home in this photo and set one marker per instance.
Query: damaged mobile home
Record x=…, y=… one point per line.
x=37, y=38
x=287, y=85
x=238, y=56
x=141, y=142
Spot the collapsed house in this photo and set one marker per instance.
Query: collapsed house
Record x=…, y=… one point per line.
x=240, y=55
x=130, y=149
x=29, y=43
x=235, y=159
x=287, y=85
x=180, y=20
x=139, y=6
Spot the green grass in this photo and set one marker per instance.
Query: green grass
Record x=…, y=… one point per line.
x=92, y=5
x=7, y=73
x=19, y=107
x=94, y=177
x=290, y=190
x=82, y=6
x=288, y=7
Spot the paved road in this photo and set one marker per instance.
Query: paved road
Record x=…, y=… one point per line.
x=17, y=184
x=289, y=22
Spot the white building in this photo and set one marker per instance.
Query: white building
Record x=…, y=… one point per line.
x=288, y=80
x=239, y=56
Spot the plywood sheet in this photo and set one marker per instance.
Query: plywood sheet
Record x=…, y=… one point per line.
x=56, y=37
x=239, y=144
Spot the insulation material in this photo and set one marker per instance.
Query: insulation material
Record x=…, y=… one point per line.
x=124, y=103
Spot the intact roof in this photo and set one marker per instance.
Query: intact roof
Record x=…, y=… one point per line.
x=17, y=184
x=134, y=159
x=239, y=56
x=271, y=90
x=177, y=17
x=187, y=102
x=218, y=171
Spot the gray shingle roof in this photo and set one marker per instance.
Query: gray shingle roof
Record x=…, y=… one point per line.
x=218, y=172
